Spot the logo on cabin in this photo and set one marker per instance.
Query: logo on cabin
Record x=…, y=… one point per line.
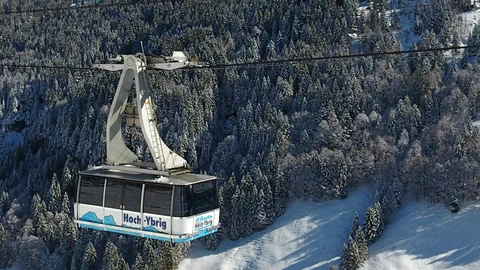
x=203, y=222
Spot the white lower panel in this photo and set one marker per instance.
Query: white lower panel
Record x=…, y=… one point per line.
x=130, y=220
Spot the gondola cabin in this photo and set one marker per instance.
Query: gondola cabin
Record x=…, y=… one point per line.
x=143, y=202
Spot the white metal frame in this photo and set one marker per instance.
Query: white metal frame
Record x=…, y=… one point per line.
x=134, y=70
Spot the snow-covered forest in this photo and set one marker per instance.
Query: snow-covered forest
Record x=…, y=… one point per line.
x=314, y=131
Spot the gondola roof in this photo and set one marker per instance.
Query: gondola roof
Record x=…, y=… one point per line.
x=146, y=175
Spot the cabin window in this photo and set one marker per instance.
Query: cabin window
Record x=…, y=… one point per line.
x=177, y=201
x=204, y=197
x=91, y=190
x=182, y=202
x=157, y=200
x=132, y=199
x=188, y=203
x=114, y=194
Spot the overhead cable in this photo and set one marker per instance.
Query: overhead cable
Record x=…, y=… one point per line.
x=347, y=56
x=75, y=7
x=272, y=62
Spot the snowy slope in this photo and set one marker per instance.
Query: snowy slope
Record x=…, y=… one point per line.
x=308, y=236
x=424, y=236
x=463, y=23
x=466, y=22
x=406, y=34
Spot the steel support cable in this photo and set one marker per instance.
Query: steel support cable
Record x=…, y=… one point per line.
x=333, y=57
x=270, y=62
x=80, y=7
x=44, y=67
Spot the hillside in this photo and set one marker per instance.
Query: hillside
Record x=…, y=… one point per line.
x=271, y=132
x=425, y=236
x=308, y=236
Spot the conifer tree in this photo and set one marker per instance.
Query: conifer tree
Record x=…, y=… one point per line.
x=138, y=265
x=373, y=223
x=65, y=204
x=280, y=195
x=4, y=250
x=333, y=267
x=54, y=195
x=264, y=187
x=69, y=232
x=247, y=203
x=89, y=258
x=4, y=202
x=237, y=215
x=211, y=241
x=260, y=220
x=355, y=226
x=67, y=182
x=362, y=245
x=167, y=261
x=78, y=251
x=37, y=206
x=350, y=259
x=149, y=256
x=225, y=199
x=111, y=258
x=344, y=258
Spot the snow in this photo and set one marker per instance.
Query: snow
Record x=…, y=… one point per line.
x=308, y=236
x=425, y=236
x=406, y=34
x=464, y=23
x=467, y=22
x=311, y=235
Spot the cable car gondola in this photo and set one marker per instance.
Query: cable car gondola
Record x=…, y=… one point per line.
x=141, y=202
x=163, y=200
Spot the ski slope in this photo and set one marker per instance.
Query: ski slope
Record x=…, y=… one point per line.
x=308, y=236
x=425, y=236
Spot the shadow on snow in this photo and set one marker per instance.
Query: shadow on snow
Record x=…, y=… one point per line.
x=309, y=234
x=433, y=232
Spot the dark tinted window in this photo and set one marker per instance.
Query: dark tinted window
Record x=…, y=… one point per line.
x=91, y=190
x=157, y=200
x=204, y=197
x=132, y=196
x=188, y=205
x=182, y=202
x=113, y=194
x=177, y=201
x=215, y=196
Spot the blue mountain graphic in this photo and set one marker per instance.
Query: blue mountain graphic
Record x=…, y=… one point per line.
x=150, y=229
x=110, y=221
x=92, y=217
